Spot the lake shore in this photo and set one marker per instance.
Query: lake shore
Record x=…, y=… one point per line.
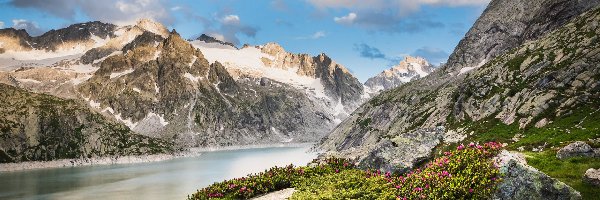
x=193, y=152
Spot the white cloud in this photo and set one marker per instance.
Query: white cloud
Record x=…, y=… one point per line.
x=319, y=34
x=176, y=8
x=227, y=27
x=347, y=20
x=1, y=24
x=386, y=4
x=388, y=15
x=217, y=36
x=314, y=36
x=31, y=27
x=120, y=12
x=231, y=19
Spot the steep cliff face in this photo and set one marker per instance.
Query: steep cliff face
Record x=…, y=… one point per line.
x=526, y=88
x=505, y=25
x=408, y=69
x=38, y=127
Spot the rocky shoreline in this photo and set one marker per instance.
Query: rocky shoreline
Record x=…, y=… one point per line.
x=193, y=152
x=22, y=166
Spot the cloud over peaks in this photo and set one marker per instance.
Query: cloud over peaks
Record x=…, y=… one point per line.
x=346, y=20
x=368, y=51
x=31, y=27
x=389, y=15
x=114, y=11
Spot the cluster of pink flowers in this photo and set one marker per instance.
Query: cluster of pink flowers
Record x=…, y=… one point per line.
x=420, y=183
x=215, y=195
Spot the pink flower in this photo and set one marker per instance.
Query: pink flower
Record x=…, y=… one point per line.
x=470, y=190
x=471, y=144
x=460, y=147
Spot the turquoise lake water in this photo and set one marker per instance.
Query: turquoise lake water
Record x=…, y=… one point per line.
x=171, y=179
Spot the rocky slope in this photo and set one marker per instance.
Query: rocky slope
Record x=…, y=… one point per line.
x=170, y=90
x=524, y=89
x=38, y=127
x=408, y=69
x=505, y=25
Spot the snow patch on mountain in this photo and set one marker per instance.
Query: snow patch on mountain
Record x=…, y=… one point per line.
x=407, y=70
x=119, y=74
x=249, y=60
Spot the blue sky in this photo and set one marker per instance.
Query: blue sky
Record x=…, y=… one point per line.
x=365, y=36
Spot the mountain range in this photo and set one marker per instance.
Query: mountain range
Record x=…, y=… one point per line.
x=187, y=93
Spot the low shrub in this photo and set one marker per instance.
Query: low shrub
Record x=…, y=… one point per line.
x=465, y=173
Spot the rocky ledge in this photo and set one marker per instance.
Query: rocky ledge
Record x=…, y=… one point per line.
x=521, y=181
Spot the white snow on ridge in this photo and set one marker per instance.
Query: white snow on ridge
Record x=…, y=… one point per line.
x=119, y=74
x=192, y=77
x=43, y=54
x=464, y=70
x=80, y=80
x=98, y=41
x=127, y=122
x=250, y=61
x=198, y=44
x=244, y=58
x=162, y=120
x=80, y=68
x=109, y=55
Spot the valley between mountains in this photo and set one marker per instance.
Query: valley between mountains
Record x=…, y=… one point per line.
x=512, y=114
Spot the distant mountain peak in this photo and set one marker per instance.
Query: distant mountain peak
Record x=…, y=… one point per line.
x=406, y=70
x=210, y=39
x=153, y=26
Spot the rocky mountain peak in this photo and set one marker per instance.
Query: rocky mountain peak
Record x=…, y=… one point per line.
x=152, y=26
x=13, y=39
x=210, y=39
x=273, y=49
x=405, y=71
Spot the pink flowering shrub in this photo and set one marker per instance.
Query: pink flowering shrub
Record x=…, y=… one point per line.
x=465, y=173
x=276, y=178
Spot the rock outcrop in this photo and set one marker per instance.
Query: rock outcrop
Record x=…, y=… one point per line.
x=592, y=176
x=408, y=69
x=521, y=181
x=546, y=78
x=576, y=149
